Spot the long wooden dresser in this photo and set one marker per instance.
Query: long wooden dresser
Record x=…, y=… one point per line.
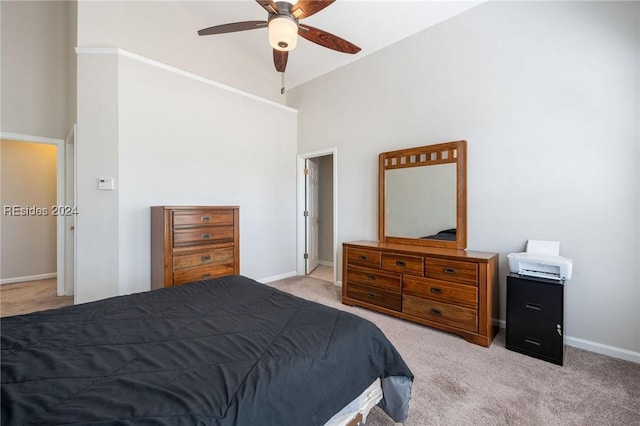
x=452, y=290
x=193, y=243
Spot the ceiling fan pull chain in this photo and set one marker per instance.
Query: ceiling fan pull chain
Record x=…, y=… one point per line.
x=282, y=83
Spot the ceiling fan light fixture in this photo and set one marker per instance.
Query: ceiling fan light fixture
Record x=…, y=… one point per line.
x=283, y=33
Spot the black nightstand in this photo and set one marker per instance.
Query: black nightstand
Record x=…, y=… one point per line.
x=535, y=317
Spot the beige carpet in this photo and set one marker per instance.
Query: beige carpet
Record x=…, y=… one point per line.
x=32, y=296
x=458, y=383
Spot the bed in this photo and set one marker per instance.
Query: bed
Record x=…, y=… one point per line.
x=445, y=235
x=227, y=351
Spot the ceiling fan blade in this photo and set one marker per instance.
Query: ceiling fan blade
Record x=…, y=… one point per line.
x=280, y=60
x=268, y=5
x=230, y=28
x=326, y=39
x=306, y=8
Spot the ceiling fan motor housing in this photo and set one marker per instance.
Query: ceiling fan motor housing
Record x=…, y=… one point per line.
x=283, y=29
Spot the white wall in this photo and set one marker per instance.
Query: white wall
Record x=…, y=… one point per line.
x=171, y=139
x=97, y=156
x=325, y=201
x=547, y=96
x=35, y=50
x=28, y=181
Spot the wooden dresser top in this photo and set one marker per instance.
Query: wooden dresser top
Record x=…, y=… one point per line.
x=477, y=256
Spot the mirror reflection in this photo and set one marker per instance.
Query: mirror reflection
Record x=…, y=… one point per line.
x=421, y=202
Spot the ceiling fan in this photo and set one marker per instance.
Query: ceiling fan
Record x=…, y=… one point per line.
x=284, y=27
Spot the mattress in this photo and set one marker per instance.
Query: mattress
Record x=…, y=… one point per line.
x=228, y=351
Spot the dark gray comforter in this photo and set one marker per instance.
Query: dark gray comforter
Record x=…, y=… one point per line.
x=228, y=351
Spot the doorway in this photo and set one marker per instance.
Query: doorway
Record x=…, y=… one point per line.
x=317, y=214
x=56, y=210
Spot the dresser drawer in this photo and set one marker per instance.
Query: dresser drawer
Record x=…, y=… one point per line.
x=194, y=259
x=375, y=296
x=204, y=273
x=374, y=278
x=204, y=235
x=455, y=316
x=191, y=218
x=402, y=263
x=451, y=270
x=363, y=257
x=441, y=291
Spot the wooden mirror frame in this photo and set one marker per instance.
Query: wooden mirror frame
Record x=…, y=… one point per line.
x=442, y=153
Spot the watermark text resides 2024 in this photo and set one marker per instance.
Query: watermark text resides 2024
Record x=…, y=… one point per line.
x=32, y=211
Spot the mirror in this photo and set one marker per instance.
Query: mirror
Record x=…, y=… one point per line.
x=422, y=198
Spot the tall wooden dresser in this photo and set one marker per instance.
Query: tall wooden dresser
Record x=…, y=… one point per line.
x=193, y=243
x=452, y=290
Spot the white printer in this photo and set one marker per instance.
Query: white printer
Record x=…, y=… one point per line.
x=541, y=259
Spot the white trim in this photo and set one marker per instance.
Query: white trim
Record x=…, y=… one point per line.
x=27, y=138
x=596, y=347
x=181, y=72
x=71, y=140
x=29, y=278
x=599, y=348
x=277, y=277
x=60, y=173
x=300, y=207
x=326, y=263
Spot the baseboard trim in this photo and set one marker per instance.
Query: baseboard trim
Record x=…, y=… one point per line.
x=29, y=278
x=596, y=347
x=326, y=263
x=277, y=277
x=599, y=348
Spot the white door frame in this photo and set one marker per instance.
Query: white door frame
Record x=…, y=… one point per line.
x=70, y=223
x=301, y=206
x=60, y=227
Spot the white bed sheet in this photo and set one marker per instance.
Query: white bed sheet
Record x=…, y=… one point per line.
x=362, y=404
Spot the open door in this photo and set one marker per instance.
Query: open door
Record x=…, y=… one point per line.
x=326, y=205
x=312, y=220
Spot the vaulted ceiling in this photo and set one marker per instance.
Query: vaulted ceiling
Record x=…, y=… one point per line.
x=371, y=25
x=167, y=31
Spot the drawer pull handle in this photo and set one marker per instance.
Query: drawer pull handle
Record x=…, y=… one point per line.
x=362, y=257
x=205, y=219
x=401, y=263
x=450, y=271
x=371, y=295
x=371, y=277
x=436, y=312
x=205, y=236
x=532, y=341
x=533, y=306
x=436, y=290
x=206, y=258
x=207, y=275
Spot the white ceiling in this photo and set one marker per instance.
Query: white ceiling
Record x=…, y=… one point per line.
x=372, y=25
